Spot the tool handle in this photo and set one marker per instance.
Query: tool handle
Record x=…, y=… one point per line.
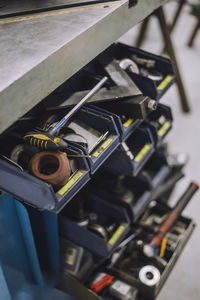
x=174, y=214
x=45, y=141
x=63, y=121
x=186, y=197
x=102, y=283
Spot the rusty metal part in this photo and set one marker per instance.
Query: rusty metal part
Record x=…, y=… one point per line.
x=52, y=167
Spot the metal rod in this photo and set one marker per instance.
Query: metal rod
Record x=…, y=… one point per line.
x=63, y=121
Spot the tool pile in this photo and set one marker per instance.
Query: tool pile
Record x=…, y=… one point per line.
x=93, y=152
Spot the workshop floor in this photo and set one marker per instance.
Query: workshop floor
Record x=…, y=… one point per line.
x=184, y=282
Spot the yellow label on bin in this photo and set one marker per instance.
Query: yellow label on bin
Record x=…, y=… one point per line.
x=116, y=235
x=67, y=186
x=164, y=83
x=103, y=146
x=142, y=153
x=164, y=128
x=128, y=122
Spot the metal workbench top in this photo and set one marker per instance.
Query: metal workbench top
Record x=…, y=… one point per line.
x=39, y=52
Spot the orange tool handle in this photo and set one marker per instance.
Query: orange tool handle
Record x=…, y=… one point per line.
x=174, y=214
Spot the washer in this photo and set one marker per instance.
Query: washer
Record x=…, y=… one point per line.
x=149, y=275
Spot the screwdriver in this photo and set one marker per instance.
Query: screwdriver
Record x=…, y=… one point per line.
x=49, y=140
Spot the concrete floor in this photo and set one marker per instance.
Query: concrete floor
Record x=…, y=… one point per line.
x=184, y=281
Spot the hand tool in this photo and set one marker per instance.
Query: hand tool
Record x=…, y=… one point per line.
x=122, y=291
x=48, y=140
x=128, y=64
x=148, y=63
x=113, y=93
x=121, y=246
x=101, y=281
x=149, y=249
x=151, y=74
x=149, y=275
x=119, y=76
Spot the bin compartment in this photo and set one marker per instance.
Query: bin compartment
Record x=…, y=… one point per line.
x=176, y=239
x=130, y=156
x=94, y=224
x=160, y=122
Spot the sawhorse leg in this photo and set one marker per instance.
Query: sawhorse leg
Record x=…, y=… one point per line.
x=170, y=49
x=194, y=33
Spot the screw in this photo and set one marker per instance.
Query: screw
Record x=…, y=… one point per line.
x=152, y=105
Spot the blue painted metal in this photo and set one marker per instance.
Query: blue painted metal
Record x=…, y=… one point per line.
x=21, y=276
x=45, y=230
x=17, y=248
x=4, y=291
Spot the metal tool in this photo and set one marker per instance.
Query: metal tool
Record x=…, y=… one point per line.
x=122, y=291
x=113, y=93
x=149, y=275
x=99, y=230
x=120, y=248
x=149, y=249
x=128, y=64
x=101, y=281
x=151, y=74
x=48, y=140
x=146, y=62
x=120, y=76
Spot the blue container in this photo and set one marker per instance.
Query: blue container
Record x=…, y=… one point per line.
x=103, y=123
x=125, y=127
x=148, y=87
x=159, y=131
x=38, y=193
x=141, y=198
x=141, y=145
x=89, y=240
x=155, y=171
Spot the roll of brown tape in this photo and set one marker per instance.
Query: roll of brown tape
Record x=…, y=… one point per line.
x=52, y=167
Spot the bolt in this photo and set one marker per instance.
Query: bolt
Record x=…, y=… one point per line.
x=152, y=104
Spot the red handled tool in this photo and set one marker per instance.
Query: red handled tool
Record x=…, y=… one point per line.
x=171, y=219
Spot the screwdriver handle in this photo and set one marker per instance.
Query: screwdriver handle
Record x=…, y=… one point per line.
x=63, y=121
x=45, y=141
